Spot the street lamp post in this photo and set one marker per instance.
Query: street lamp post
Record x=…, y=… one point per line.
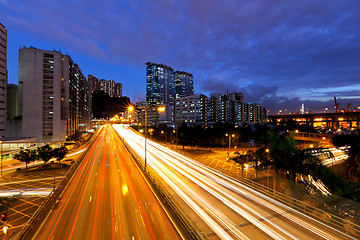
x=230, y=136
x=159, y=109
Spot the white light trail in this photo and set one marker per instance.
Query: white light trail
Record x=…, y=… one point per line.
x=192, y=181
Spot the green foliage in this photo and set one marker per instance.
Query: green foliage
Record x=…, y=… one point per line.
x=335, y=183
x=59, y=153
x=26, y=156
x=215, y=135
x=242, y=159
x=289, y=159
x=45, y=153
x=339, y=140
x=353, y=161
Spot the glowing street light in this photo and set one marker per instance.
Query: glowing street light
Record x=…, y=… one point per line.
x=159, y=109
x=230, y=136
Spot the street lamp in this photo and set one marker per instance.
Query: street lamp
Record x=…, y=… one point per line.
x=130, y=110
x=159, y=109
x=230, y=136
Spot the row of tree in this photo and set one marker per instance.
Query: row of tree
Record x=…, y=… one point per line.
x=44, y=153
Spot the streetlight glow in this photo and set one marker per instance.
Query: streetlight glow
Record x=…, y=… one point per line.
x=161, y=109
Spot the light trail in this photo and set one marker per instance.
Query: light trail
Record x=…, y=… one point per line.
x=27, y=192
x=211, y=194
x=107, y=198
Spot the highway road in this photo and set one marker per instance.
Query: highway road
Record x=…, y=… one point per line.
x=108, y=198
x=222, y=207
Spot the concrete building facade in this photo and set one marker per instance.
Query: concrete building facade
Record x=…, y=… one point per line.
x=191, y=110
x=93, y=83
x=3, y=78
x=12, y=101
x=118, y=90
x=54, y=97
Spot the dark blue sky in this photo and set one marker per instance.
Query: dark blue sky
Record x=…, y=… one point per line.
x=279, y=53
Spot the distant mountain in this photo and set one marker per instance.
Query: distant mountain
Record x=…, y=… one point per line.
x=104, y=106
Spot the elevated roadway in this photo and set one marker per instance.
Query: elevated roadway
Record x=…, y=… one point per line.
x=108, y=198
x=222, y=207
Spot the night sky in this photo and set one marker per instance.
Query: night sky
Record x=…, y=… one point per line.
x=279, y=53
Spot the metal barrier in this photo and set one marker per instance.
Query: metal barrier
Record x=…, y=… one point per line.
x=190, y=226
x=307, y=209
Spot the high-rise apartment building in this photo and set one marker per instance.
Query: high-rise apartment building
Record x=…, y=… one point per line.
x=54, y=96
x=191, y=110
x=231, y=108
x=184, y=83
x=103, y=86
x=111, y=88
x=93, y=83
x=118, y=90
x=3, y=78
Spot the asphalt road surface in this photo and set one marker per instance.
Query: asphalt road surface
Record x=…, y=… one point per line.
x=223, y=207
x=108, y=198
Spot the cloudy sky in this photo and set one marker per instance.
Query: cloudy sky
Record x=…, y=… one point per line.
x=278, y=53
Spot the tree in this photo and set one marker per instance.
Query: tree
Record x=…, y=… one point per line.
x=352, y=141
x=353, y=163
x=242, y=159
x=290, y=159
x=45, y=153
x=261, y=159
x=26, y=156
x=59, y=153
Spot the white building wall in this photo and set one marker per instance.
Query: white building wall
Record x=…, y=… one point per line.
x=40, y=118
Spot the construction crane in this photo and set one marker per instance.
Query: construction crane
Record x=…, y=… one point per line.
x=349, y=108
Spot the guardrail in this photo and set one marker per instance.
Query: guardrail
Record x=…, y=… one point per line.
x=321, y=136
x=44, y=208
x=187, y=222
x=307, y=209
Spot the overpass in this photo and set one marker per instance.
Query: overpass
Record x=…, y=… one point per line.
x=340, y=120
x=313, y=137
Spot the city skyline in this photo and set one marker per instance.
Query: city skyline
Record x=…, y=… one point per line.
x=279, y=55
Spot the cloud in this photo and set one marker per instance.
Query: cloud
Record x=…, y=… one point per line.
x=276, y=52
